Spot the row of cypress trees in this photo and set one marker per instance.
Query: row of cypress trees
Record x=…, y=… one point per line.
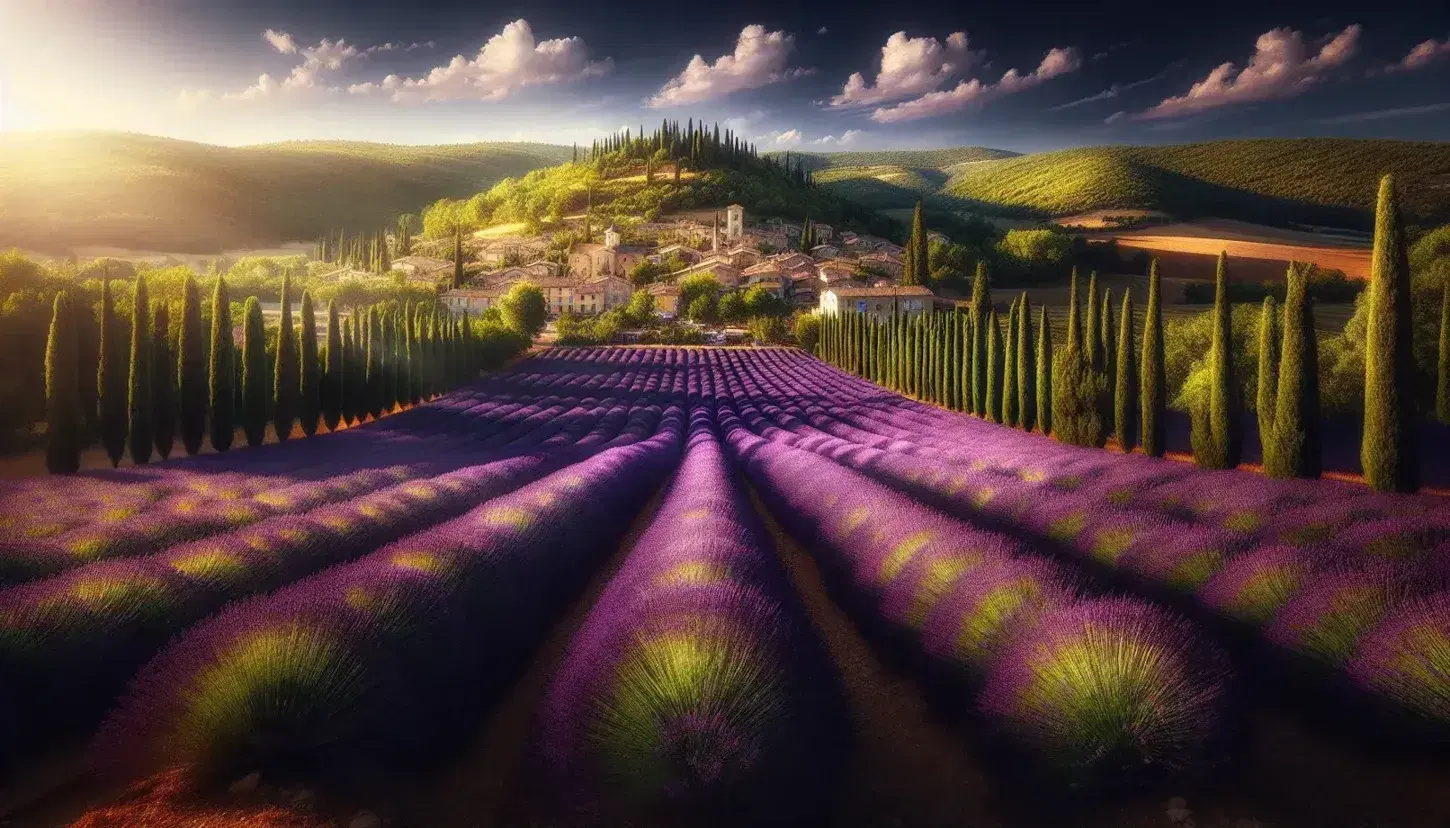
x=173, y=380
x=1107, y=380
x=1009, y=372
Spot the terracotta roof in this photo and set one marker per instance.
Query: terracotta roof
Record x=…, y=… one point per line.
x=763, y=267
x=422, y=261
x=899, y=290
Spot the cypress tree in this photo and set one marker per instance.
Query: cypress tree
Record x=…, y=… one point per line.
x=331, y=386
x=1125, y=396
x=1026, y=365
x=287, y=374
x=254, y=374
x=457, y=258
x=1223, y=443
x=415, y=363
x=221, y=386
x=1388, y=453
x=1109, y=350
x=346, y=390
x=1074, y=321
x=191, y=369
x=387, y=371
x=402, y=355
x=375, y=362
x=1092, y=333
x=980, y=302
x=1153, y=374
x=1296, y=444
x=309, y=390
x=916, y=246
x=1442, y=383
x=995, y=365
x=64, y=419
x=111, y=380
x=88, y=366
x=1268, y=380
x=1009, y=371
x=141, y=430
x=163, y=381
x=1044, y=373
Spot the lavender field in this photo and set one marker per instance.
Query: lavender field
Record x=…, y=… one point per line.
x=628, y=561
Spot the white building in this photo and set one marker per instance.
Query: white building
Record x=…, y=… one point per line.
x=878, y=302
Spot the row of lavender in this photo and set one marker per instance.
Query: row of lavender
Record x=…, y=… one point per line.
x=1351, y=579
x=695, y=691
x=61, y=522
x=69, y=642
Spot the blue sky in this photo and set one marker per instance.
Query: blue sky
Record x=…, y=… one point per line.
x=811, y=76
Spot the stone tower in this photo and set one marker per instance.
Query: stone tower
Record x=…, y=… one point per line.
x=734, y=222
x=611, y=237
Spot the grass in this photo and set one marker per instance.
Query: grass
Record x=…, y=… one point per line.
x=64, y=189
x=1319, y=181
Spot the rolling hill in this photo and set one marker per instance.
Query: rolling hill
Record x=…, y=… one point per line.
x=1319, y=181
x=894, y=179
x=64, y=189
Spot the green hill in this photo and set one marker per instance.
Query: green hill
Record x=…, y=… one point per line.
x=893, y=179
x=64, y=189
x=1326, y=181
x=934, y=159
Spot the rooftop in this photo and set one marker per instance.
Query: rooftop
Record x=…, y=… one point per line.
x=894, y=290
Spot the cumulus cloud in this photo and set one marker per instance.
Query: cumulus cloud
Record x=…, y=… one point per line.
x=973, y=92
x=308, y=78
x=848, y=137
x=1422, y=55
x=790, y=137
x=508, y=62
x=1282, y=65
x=281, y=41
x=759, y=59
x=910, y=66
x=821, y=30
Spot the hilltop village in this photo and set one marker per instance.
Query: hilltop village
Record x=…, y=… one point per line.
x=600, y=272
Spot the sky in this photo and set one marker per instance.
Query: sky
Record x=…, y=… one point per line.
x=1022, y=76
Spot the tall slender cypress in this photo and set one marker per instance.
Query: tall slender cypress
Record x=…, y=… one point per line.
x=1388, y=453
x=88, y=366
x=221, y=385
x=981, y=300
x=1009, y=370
x=64, y=420
x=1026, y=365
x=330, y=389
x=347, y=377
x=389, y=369
x=141, y=430
x=163, y=381
x=1108, y=344
x=415, y=358
x=191, y=381
x=1074, y=319
x=1223, y=446
x=1092, y=333
x=1442, y=382
x=401, y=354
x=309, y=386
x=1154, y=373
x=1125, y=394
x=375, y=362
x=255, y=389
x=1268, y=380
x=287, y=373
x=1297, y=445
x=111, y=379
x=1044, y=372
x=995, y=364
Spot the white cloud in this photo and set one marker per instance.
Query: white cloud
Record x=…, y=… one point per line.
x=821, y=30
x=848, y=137
x=508, y=62
x=308, y=78
x=790, y=137
x=281, y=41
x=974, y=92
x=1282, y=65
x=759, y=59
x=1115, y=117
x=910, y=66
x=1423, y=55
